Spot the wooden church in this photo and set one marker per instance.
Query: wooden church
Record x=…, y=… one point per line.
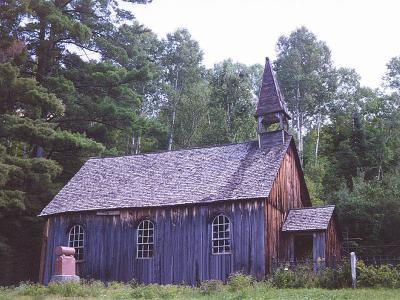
x=191, y=215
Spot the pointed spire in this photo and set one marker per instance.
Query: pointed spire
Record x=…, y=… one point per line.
x=270, y=99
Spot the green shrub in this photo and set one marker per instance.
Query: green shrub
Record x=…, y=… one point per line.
x=302, y=276
x=67, y=289
x=76, y=289
x=4, y=290
x=143, y=291
x=4, y=296
x=211, y=286
x=156, y=291
x=169, y=291
x=367, y=276
x=31, y=289
x=335, y=278
x=5, y=293
x=382, y=276
x=327, y=279
x=298, y=277
x=281, y=277
x=133, y=283
x=115, y=285
x=239, y=281
x=343, y=274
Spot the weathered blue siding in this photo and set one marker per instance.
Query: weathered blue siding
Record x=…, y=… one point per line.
x=182, y=243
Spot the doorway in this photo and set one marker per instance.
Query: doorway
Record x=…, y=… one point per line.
x=303, y=247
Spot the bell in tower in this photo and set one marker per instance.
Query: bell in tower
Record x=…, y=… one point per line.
x=272, y=115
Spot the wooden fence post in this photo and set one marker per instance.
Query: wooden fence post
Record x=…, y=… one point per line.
x=353, y=262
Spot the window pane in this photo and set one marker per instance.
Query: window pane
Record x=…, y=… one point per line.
x=145, y=239
x=221, y=235
x=76, y=239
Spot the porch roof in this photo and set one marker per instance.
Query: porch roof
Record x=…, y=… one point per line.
x=308, y=219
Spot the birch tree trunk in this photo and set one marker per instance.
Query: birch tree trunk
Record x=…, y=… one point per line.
x=318, y=132
x=132, y=150
x=137, y=150
x=299, y=120
x=171, y=135
x=301, y=138
x=298, y=125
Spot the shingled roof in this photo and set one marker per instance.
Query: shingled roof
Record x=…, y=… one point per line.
x=310, y=218
x=229, y=172
x=270, y=99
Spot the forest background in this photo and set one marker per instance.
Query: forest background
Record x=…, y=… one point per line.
x=144, y=94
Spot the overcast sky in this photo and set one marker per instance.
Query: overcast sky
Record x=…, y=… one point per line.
x=362, y=34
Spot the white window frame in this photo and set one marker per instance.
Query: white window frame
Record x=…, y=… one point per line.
x=221, y=238
x=76, y=239
x=145, y=240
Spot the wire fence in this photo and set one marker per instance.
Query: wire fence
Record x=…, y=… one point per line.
x=378, y=260
x=374, y=260
x=369, y=255
x=375, y=255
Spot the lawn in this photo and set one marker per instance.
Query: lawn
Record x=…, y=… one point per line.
x=258, y=290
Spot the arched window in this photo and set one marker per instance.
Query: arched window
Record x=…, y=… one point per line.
x=76, y=239
x=221, y=235
x=145, y=239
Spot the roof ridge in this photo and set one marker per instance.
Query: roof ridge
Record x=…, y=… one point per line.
x=312, y=207
x=175, y=150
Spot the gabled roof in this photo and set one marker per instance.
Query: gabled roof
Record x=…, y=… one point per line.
x=230, y=172
x=308, y=219
x=270, y=99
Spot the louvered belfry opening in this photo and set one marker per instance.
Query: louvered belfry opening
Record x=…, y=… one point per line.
x=271, y=114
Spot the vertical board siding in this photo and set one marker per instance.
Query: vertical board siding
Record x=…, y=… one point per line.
x=318, y=245
x=43, y=250
x=288, y=191
x=318, y=250
x=333, y=243
x=182, y=243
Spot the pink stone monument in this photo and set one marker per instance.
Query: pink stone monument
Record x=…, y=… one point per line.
x=64, y=266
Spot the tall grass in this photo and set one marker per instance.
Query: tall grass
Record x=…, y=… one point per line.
x=284, y=283
x=215, y=290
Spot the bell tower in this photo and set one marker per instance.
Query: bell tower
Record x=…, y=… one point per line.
x=271, y=114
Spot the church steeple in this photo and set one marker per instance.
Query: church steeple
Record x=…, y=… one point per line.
x=272, y=115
